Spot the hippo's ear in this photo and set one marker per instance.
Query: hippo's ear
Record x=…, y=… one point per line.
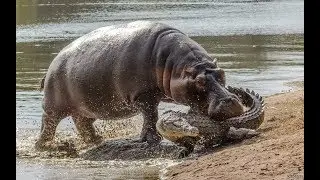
x=214, y=62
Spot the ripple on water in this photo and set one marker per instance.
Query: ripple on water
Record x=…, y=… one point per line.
x=81, y=169
x=32, y=164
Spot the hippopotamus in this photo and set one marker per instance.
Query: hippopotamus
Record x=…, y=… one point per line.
x=118, y=71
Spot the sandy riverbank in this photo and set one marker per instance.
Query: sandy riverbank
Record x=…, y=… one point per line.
x=278, y=153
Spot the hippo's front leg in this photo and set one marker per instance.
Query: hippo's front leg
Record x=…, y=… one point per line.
x=148, y=105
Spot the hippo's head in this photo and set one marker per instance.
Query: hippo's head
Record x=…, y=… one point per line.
x=202, y=87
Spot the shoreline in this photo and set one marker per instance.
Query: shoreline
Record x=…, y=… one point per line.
x=277, y=153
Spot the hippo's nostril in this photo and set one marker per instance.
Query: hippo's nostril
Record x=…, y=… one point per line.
x=234, y=97
x=234, y=101
x=230, y=101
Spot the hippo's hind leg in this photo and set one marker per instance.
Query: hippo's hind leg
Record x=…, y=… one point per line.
x=48, y=129
x=86, y=129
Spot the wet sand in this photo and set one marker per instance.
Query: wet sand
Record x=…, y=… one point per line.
x=277, y=153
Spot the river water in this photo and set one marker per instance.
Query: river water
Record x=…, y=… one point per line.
x=260, y=44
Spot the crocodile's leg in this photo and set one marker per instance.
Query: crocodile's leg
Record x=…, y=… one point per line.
x=188, y=142
x=239, y=134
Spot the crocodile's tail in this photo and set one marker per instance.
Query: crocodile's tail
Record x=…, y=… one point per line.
x=42, y=83
x=253, y=117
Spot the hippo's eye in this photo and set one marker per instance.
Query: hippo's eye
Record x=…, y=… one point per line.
x=220, y=77
x=201, y=82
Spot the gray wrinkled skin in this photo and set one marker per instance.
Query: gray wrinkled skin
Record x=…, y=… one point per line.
x=118, y=71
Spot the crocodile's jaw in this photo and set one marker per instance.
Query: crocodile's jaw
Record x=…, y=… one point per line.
x=175, y=129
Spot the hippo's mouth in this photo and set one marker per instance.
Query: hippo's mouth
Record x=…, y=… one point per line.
x=226, y=108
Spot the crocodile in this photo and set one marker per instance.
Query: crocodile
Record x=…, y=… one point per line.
x=189, y=129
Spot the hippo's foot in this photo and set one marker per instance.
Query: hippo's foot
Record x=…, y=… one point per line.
x=95, y=140
x=67, y=147
x=45, y=146
x=151, y=137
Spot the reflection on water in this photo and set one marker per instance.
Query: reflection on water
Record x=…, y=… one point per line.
x=259, y=44
x=45, y=11
x=47, y=21
x=80, y=169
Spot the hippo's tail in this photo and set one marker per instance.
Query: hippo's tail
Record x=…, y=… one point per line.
x=42, y=83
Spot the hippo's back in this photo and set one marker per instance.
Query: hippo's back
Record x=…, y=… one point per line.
x=105, y=68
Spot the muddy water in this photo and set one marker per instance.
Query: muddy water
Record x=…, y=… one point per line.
x=259, y=44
